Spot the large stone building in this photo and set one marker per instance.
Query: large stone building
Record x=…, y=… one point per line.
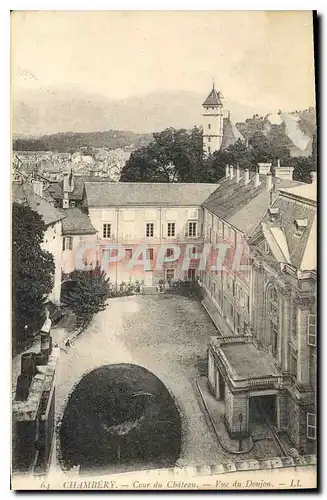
x=270, y=362
x=161, y=218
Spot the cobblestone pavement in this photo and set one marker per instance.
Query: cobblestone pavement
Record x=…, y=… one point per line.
x=168, y=335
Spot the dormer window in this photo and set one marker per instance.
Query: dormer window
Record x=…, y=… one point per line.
x=300, y=226
x=273, y=214
x=266, y=248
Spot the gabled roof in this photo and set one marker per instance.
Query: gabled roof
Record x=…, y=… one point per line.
x=106, y=194
x=76, y=222
x=213, y=99
x=276, y=240
x=22, y=192
x=302, y=246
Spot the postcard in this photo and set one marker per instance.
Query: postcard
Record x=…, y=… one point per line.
x=164, y=241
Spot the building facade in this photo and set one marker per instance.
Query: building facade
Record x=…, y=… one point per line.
x=271, y=364
x=153, y=222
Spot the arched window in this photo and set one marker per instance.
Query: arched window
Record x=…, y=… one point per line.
x=272, y=311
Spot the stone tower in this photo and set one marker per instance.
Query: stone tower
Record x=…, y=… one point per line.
x=213, y=120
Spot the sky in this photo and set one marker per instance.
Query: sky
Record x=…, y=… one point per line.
x=262, y=59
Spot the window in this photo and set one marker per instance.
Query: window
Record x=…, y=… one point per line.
x=128, y=253
x=149, y=229
x=209, y=126
x=300, y=226
x=312, y=330
x=293, y=362
x=247, y=302
x=169, y=252
x=266, y=248
x=209, y=139
x=106, y=230
x=209, y=150
x=273, y=317
x=238, y=322
x=311, y=426
x=231, y=311
x=67, y=243
x=192, y=229
x=313, y=368
x=191, y=274
x=149, y=253
x=171, y=229
x=170, y=274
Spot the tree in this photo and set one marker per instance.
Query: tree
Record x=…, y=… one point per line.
x=172, y=156
x=32, y=271
x=87, y=294
x=302, y=168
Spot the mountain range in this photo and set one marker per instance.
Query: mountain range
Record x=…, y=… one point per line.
x=42, y=111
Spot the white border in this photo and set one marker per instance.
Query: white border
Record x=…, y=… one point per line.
x=5, y=170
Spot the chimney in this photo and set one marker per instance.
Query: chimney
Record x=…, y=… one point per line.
x=238, y=176
x=66, y=183
x=227, y=171
x=256, y=180
x=264, y=168
x=38, y=188
x=313, y=176
x=269, y=182
x=231, y=171
x=246, y=176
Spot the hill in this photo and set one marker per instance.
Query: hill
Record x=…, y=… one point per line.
x=72, y=141
x=57, y=110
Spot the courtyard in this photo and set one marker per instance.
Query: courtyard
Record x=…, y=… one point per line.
x=166, y=334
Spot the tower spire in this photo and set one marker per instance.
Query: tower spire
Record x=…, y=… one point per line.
x=213, y=84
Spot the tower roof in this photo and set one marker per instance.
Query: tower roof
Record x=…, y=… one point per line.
x=214, y=98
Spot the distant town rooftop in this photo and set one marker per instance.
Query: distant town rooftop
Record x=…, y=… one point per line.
x=24, y=193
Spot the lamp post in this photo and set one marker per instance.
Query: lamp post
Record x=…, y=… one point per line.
x=240, y=418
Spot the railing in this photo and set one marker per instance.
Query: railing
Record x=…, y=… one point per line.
x=270, y=381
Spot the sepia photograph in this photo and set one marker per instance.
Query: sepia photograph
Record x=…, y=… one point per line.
x=163, y=250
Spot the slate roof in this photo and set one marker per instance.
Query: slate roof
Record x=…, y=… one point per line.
x=51, y=166
x=230, y=134
x=243, y=206
x=76, y=222
x=302, y=249
x=213, y=99
x=48, y=212
x=56, y=188
x=106, y=194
